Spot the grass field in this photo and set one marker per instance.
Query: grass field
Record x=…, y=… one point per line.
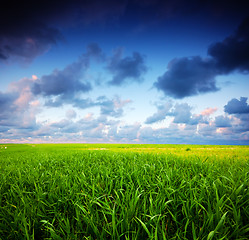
x=115, y=191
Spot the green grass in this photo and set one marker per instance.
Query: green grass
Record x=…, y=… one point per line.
x=103, y=191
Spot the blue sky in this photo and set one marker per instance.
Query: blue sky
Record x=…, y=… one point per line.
x=127, y=71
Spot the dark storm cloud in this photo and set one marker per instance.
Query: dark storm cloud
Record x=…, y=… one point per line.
x=126, y=69
x=236, y=106
x=191, y=76
x=233, y=52
x=28, y=28
x=24, y=33
x=188, y=77
x=30, y=44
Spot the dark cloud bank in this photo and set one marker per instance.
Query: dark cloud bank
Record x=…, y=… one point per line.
x=191, y=76
x=30, y=28
x=24, y=30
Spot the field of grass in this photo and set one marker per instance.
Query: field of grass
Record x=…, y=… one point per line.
x=105, y=191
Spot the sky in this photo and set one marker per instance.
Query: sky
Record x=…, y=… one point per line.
x=124, y=71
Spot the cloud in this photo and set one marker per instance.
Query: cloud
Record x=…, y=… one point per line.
x=61, y=124
x=162, y=111
x=70, y=114
x=128, y=132
x=180, y=112
x=243, y=125
x=108, y=107
x=188, y=77
x=170, y=135
x=82, y=103
x=7, y=106
x=64, y=83
x=126, y=69
x=185, y=126
x=233, y=52
x=222, y=122
x=94, y=51
x=208, y=111
x=18, y=106
x=24, y=31
x=29, y=29
x=87, y=129
x=90, y=129
x=236, y=106
x=62, y=86
x=65, y=86
x=239, y=109
x=113, y=108
x=26, y=48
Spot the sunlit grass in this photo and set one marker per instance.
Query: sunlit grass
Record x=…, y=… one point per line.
x=124, y=192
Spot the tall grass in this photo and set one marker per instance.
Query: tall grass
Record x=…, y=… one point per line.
x=47, y=193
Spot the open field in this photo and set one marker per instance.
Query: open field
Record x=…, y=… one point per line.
x=118, y=191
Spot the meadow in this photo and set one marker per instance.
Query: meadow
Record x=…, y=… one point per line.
x=119, y=191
